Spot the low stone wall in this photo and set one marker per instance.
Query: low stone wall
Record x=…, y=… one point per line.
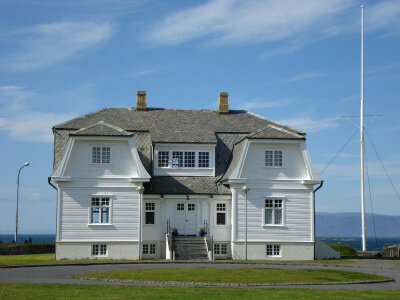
x=11, y=249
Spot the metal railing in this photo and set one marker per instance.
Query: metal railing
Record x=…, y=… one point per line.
x=209, y=240
x=170, y=251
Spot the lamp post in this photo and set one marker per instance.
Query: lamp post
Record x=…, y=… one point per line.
x=245, y=189
x=16, y=214
x=140, y=189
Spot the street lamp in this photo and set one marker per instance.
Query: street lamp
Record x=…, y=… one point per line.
x=16, y=214
x=245, y=189
x=140, y=189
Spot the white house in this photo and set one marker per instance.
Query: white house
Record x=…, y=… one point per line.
x=193, y=165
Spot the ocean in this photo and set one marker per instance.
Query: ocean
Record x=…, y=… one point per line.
x=372, y=244
x=36, y=238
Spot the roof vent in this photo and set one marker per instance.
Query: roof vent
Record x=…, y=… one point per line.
x=141, y=100
x=223, y=107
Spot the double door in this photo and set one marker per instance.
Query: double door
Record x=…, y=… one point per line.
x=184, y=217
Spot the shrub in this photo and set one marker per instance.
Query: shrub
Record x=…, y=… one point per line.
x=345, y=250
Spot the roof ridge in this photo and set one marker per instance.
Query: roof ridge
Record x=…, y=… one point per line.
x=102, y=123
x=277, y=123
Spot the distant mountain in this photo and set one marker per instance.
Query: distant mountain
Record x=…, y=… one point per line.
x=349, y=225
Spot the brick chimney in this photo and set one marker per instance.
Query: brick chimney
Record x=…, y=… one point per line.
x=223, y=107
x=141, y=100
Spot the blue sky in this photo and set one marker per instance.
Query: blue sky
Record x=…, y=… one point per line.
x=297, y=62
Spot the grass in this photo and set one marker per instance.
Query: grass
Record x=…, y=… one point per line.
x=73, y=291
x=243, y=275
x=6, y=260
x=344, y=250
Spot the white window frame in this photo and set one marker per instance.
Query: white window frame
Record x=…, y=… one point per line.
x=220, y=249
x=276, y=162
x=149, y=249
x=273, y=250
x=274, y=209
x=100, y=206
x=99, y=250
x=218, y=210
x=102, y=159
x=149, y=207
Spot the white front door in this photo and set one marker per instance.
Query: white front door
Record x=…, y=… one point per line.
x=185, y=218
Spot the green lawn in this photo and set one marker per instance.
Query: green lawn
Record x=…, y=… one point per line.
x=49, y=259
x=72, y=291
x=228, y=275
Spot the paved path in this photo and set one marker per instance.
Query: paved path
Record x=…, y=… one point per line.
x=62, y=274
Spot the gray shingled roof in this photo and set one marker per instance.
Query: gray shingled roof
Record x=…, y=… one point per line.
x=157, y=125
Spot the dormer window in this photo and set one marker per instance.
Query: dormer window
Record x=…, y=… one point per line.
x=184, y=160
x=101, y=155
x=273, y=158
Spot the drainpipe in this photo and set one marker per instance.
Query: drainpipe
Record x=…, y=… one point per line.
x=53, y=186
x=314, y=191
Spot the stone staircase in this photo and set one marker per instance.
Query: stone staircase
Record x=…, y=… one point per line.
x=190, y=248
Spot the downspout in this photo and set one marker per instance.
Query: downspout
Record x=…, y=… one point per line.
x=53, y=186
x=314, y=191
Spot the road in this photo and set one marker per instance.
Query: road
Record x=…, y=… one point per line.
x=62, y=274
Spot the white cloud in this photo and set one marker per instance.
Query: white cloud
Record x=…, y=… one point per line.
x=47, y=44
x=303, y=76
x=248, y=22
x=308, y=125
x=385, y=15
x=257, y=104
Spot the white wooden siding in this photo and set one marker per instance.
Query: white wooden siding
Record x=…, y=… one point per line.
x=293, y=162
x=80, y=161
x=75, y=215
x=297, y=211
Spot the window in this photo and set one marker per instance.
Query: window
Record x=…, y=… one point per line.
x=101, y=155
x=190, y=159
x=150, y=213
x=191, y=206
x=221, y=213
x=273, y=158
x=180, y=206
x=100, y=210
x=99, y=250
x=273, y=250
x=163, y=159
x=183, y=159
x=273, y=212
x=220, y=249
x=177, y=159
x=204, y=159
x=149, y=248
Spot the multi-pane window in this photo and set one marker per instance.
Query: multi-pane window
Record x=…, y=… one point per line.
x=220, y=249
x=150, y=213
x=273, y=212
x=101, y=155
x=204, y=159
x=99, y=250
x=149, y=248
x=273, y=250
x=180, y=206
x=100, y=210
x=183, y=159
x=190, y=159
x=273, y=158
x=221, y=213
x=163, y=159
x=177, y=159
x=191, y=206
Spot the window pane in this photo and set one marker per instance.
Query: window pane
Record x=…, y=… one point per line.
x=269, y=158
x=268, y=216
x=269, y=203
x=190, y=159
x=216, y=249
x=96, y=155
x=149, y=217
x=277, y=249
x=152, y=249
x=150, y=206
x=220, y=206
x=220, y=218
x=95, y=249
x=278, y=216
x=95, y=215
x=103, y=249
x=145, y=248
x=191, y=206
x=106, y=155
x=224, y=249
x=104, y=215
x=163, y=158
x=204, y=159
x=180, y=206
x=177, y=159
x=269, y=250
x=278, y=158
